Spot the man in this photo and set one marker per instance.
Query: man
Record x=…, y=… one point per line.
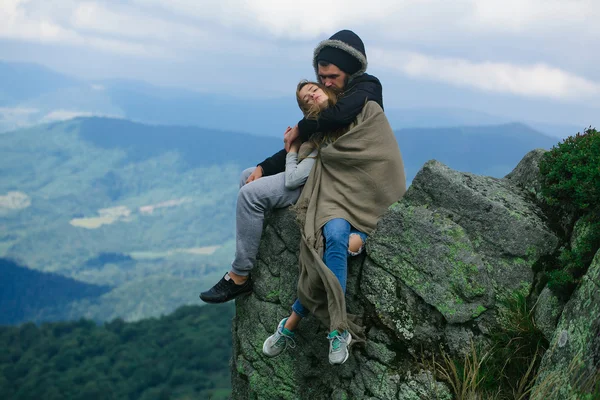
x=340, y=63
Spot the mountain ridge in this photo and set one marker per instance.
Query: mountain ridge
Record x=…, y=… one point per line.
x=147, y=103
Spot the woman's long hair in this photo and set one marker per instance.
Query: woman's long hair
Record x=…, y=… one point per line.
x=312, y=111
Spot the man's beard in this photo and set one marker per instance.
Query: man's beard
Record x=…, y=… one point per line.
x=336, y=90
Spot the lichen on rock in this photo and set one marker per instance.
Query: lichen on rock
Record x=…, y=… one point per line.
x=571, y=367
x=435, y=274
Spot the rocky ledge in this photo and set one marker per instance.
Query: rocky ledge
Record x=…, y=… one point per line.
x=436, y=274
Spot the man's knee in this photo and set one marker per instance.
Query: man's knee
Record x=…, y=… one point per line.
x=247, y=194
x=253, y=195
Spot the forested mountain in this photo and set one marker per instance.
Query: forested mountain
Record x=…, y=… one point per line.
x=146, y=210
x=184, y=355
x=149, y=210
x=26, y=294
x=489, y=150
x=23, y=81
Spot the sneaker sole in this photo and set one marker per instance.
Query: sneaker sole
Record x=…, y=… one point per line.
x=347, y=352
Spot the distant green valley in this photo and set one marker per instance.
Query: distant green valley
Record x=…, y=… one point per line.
x=147, y=212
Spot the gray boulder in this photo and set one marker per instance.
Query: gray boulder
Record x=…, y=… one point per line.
x=547, y=310
x=526, y=173
x=570, y=369
x=435, y=273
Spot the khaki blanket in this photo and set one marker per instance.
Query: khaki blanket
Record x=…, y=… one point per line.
x=356, y=178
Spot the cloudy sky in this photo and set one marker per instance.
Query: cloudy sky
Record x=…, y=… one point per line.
x=522, y=58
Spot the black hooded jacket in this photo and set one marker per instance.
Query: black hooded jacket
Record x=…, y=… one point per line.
x=361, y=88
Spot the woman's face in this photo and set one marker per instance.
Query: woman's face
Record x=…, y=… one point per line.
x=311, y=94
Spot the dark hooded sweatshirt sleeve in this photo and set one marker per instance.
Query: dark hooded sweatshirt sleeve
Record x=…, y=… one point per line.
x=362, y=89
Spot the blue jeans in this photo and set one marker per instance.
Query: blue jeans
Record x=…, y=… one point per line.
x=337, y=234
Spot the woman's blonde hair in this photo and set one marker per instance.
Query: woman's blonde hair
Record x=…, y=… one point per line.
x=312, y=111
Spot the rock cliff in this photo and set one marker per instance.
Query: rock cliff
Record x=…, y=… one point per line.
x=436, y=275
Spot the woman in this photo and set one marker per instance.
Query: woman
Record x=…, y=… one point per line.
x=366, y=162
x=312, y=98
x=284, y=190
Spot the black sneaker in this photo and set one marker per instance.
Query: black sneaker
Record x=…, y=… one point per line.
x=226, y=290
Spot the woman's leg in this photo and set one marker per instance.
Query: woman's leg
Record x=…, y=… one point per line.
x=337, y=238
x=337, y=233
x=298, y=312
x=356, y=242
x=283, y=337
x=292, y=322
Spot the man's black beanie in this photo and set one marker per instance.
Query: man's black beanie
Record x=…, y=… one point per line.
x=340, y=59
x=345, y=50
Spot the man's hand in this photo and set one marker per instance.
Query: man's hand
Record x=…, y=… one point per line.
x=290, y=135
x=295, y=146
x=256, y=174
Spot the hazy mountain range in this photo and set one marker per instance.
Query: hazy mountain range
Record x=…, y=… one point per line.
x=135, y=219
x=147, y=211
x=31, y=94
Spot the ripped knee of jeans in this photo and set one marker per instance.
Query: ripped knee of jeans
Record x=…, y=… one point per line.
x=355, y=244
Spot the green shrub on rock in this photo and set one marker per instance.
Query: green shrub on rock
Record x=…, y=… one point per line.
x=570, y=180
x=571, y=171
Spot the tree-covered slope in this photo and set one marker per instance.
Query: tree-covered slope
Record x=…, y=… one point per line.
x=150, y=210
x=131, y=206
x=26, y=294
x=184, y=355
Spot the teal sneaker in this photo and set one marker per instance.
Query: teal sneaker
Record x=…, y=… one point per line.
x=338, y=346
x=279, y=341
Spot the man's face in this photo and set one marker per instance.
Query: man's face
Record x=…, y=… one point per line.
x=332, y=77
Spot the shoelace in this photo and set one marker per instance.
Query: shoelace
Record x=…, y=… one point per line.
x=222, y=284
x=336, y=341
x=226, y=284
x=287, y=340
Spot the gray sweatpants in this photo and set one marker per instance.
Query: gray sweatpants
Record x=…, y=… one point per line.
x=254, y=199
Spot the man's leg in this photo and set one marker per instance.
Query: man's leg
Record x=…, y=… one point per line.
x=254, y=199
x=245, y=174
x=239, y=279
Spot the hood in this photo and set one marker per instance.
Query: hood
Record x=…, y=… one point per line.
x=349, y=42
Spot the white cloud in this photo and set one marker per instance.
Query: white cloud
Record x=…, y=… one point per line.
x=62, y=115
x=289, y=19
x=533, y=15
x=537, y=80
x=398, y=18
x=19, y=21
x=131, y=24
x=6, y=112
x=537, y=48
x=15, y=24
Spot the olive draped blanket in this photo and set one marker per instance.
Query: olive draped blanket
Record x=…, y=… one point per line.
x=357, y=177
